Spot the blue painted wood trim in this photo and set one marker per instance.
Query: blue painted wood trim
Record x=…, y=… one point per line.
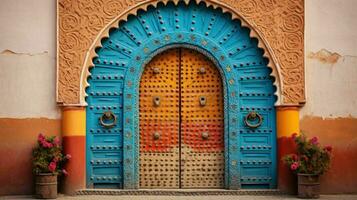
x=245, y=75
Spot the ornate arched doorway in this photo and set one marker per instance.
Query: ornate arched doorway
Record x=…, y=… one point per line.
x=113, y=134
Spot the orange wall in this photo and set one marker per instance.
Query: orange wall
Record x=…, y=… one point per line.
x=341, y=133
x=18, y=137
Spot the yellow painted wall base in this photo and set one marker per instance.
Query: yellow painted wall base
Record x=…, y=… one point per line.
x=74, y=143
x=287, y=121
x=74, y=121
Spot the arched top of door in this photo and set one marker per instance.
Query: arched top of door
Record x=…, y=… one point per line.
x=284, y=98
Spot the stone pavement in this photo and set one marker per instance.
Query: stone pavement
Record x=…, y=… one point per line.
x=211, y=197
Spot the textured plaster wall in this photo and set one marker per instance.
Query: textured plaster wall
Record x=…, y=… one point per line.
x=27, y=87
x=331, y=87
x=331, y=58
x=28, y=59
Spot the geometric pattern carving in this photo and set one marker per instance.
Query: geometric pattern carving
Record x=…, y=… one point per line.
x=279, y=24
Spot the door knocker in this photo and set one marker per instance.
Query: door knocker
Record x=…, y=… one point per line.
x=108, y=119
x=252, y=116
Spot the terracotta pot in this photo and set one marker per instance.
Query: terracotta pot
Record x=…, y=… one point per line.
x=46, y=186
x=308, y=186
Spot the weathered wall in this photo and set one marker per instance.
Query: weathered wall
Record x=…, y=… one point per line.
x=27, y=87
x=331, y=87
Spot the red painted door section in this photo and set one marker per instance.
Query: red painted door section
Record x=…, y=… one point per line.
x=181, y=122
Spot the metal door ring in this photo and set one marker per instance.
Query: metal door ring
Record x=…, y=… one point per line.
x=252, y=116
x=108, y=115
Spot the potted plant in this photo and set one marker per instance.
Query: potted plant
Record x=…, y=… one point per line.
x=48, y=161
x=310, y=161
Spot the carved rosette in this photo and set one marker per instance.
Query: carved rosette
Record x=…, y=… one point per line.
x=280, y=24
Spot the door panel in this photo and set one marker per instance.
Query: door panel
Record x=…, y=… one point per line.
x=181, y=122
x=159, y=123
x=202, y=142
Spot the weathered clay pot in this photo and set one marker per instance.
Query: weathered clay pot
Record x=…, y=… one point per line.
x=46, y=186
x=308, y=186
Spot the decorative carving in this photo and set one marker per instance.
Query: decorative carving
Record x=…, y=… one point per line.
x=280, y=25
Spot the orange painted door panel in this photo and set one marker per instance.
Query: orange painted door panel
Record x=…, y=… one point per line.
x=181, y=122
x=159, y=122
x=202, y=142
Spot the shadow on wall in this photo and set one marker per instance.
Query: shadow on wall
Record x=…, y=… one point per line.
x=18, y=137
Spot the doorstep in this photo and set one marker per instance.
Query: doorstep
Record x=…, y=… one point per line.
x=179, y=192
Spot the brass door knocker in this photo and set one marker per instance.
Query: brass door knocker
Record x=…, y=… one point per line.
x=108, y=116
x=252, y=116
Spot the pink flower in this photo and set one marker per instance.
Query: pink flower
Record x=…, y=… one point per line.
x=328, y=148
x=68, y=156
x=64, y=172
x=314, y=141
x=294, y=166
x=294, y=135
x=294, y=157
x=56, y=141
x=46, y=144
x=41, y=137
x=52, y=166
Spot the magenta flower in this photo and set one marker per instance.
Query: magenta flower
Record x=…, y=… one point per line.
x=46, y=144
x=294, y=166
x=314, y=141
x=56, y=141
x=41, y=137
x=52, y=166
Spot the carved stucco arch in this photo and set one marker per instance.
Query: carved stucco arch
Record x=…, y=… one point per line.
x=104, y=33
x=278, y=25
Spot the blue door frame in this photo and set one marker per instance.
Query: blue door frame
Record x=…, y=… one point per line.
x=113, y=153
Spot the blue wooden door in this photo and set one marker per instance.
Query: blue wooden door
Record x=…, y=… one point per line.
x=248, y=93
x=104, y=128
